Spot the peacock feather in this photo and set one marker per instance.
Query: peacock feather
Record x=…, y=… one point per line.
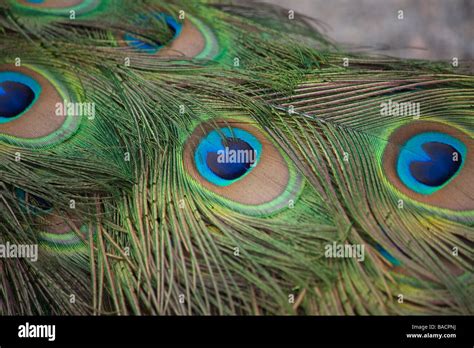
x=118, y=123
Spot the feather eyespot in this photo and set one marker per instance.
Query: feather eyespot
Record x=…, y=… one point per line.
x=189, y=38
x=56, y=231
x=153, y=46
x=29, y=116
x=431, y=163
x=237, y=163
x=57, y=7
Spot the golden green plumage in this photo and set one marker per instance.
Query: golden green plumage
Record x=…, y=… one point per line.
x=135, y=229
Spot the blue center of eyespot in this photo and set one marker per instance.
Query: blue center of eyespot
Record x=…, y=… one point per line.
x=440, y=168
x=36, y=1
x=227, y=168
x=18, y=92
x=15, y=97
x=227, y=155
x=153, y=46
x=429, y=161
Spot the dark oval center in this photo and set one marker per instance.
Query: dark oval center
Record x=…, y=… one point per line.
x=233, y=160
x=15, y=98
x=444, y=163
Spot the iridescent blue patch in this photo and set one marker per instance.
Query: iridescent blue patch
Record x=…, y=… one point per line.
x=153, y=46
x=389, y=257
x=18, y=92
x=227, y=155
x=429, y=161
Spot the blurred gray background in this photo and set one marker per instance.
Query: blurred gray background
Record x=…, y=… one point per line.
x=431, y=29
